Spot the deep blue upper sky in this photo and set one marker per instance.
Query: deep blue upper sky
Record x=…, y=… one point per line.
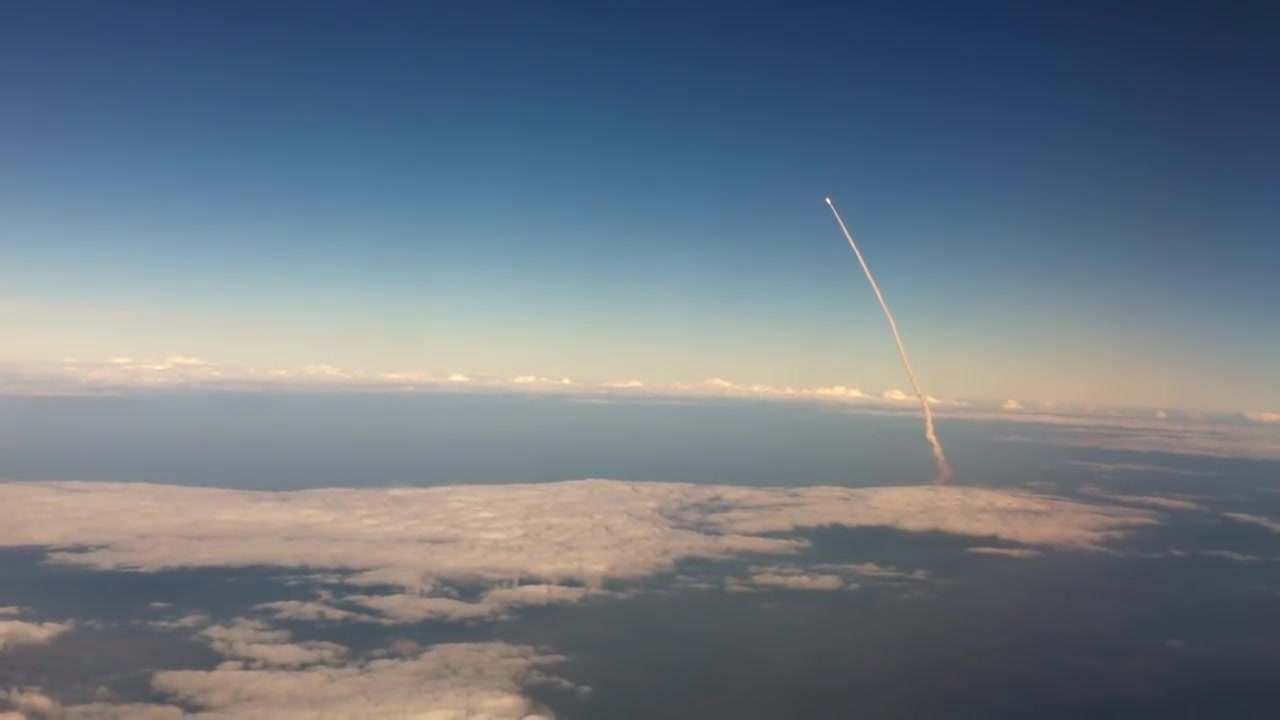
x=1062, y=200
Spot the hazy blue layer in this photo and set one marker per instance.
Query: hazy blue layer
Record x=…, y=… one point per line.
x=298, y=441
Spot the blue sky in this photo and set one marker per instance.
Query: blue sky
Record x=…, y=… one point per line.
x=1062, y=201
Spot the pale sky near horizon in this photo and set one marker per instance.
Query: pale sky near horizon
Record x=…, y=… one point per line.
x=1060, y=202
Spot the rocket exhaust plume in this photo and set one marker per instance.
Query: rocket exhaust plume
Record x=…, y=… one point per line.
x=944, y=468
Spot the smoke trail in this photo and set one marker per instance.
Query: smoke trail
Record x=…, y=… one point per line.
x=944, y=468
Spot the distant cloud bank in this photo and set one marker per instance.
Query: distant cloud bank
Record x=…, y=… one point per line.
x=123, y=374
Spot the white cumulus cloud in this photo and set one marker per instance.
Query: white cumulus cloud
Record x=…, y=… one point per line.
x=261, y=646
x=185, y=360
x=17, y=632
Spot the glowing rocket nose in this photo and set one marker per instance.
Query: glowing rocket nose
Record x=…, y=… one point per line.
x=828, y=201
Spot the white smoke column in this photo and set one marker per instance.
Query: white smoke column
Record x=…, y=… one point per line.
x=944, y=468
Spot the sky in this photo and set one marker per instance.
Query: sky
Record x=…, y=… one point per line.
x=1062, y=201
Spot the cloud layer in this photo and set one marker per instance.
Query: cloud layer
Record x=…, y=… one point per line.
x=579, y=533
x=399, y=556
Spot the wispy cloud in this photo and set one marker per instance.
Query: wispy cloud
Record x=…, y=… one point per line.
x=1260, y=521
x=1118, y=469
x=1163, y=502
x=311, y=611
x=1155, y=436
x=1230, y=555
x=1020, y=553
x=822, y=576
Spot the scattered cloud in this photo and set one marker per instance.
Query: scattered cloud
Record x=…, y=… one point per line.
x=462, y=680
x=268, y=674
x=1263, y=417
x=456, y=681
x=1011, y=404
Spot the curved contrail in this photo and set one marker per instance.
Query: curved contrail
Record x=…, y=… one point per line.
x=944, y=468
